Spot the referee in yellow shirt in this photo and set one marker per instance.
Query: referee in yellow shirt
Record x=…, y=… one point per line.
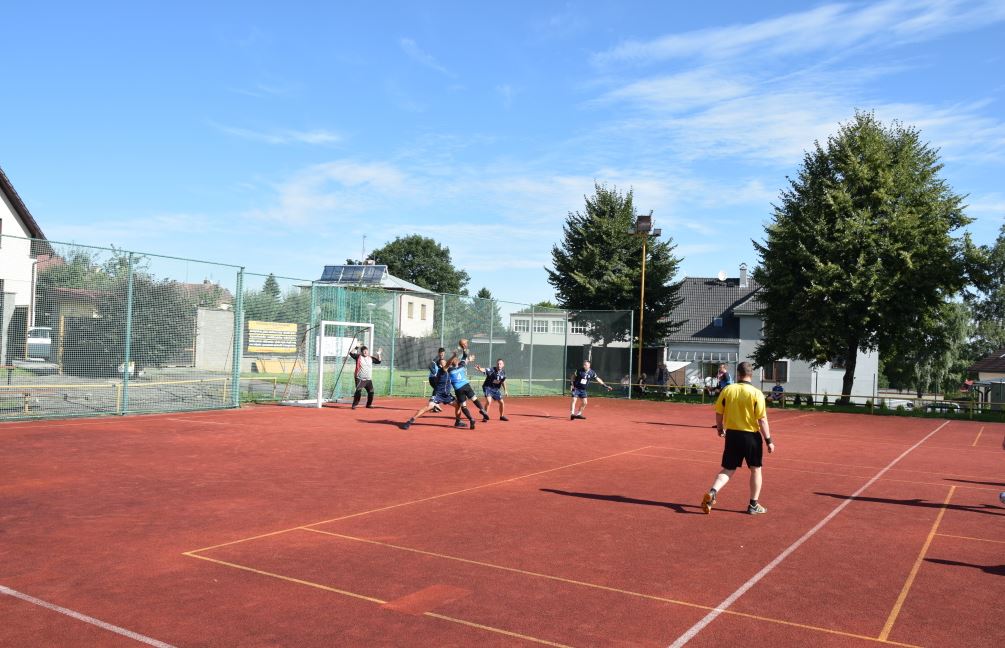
x=742, y=418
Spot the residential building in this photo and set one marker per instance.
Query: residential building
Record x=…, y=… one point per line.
x=723, y=323
x=415, y=309
x=21, y=243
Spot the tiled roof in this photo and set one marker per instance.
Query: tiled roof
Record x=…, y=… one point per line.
x=994, y=362
x=751, y=305
x=704, y=299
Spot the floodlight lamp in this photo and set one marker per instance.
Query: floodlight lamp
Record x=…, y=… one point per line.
x=643, y=224
x=657, y=232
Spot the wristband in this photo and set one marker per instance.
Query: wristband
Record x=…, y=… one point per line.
x=768, y=440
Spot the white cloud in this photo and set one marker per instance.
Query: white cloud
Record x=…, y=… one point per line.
x=506, y=92
x=749, y=101
x=825, y=28
x=422, y=57
x=316, y=136
x=335, y=192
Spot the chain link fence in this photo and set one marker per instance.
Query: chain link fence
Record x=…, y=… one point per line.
x=89, y=330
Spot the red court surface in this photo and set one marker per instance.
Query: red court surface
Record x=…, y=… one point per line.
x=273, y=526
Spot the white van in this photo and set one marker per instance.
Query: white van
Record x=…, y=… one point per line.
x=40, y=343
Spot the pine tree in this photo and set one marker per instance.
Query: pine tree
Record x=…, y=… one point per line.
x=598, y=266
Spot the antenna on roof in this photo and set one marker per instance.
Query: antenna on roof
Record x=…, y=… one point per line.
x=722, y=275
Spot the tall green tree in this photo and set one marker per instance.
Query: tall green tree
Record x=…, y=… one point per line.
x=424, y=262
x=989, y=302
x=933, y=356
x=598, y=266
x=861, y=253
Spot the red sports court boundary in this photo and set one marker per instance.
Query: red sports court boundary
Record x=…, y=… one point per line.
x=646, y=453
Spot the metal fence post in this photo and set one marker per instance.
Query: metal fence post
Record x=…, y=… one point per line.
x=530, y=366
x=128, y=346
x=565, y=354
x=235, y=369
x=492, y=321
x=631, y=336
x=394, y=339
x=443, y=317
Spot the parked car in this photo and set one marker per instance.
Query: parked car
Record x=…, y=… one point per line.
x=894, y=403
x=40, y=343
x=942, y=406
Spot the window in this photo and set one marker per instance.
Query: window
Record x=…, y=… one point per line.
x=540, y=326
x=717, y=322
x=776, y=371
x=411, y=310
x=422, y=312
x=577, y=327
x=521, y=325
x=837, y=363
x=558, y=326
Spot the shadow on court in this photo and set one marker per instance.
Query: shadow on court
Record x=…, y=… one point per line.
x=670, y=424
x=994, y=570
x=686, y=509
x=985, y=509
x=981, y=483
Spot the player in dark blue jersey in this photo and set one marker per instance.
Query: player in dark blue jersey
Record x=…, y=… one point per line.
x=441, y=393
x=494, y=387
x=434, y=368
x=462, y=388
x=580, y=381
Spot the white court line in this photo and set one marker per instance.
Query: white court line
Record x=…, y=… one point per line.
x=767, y=569
x=86, y=619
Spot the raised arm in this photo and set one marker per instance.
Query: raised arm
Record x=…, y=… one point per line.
x=377, y=356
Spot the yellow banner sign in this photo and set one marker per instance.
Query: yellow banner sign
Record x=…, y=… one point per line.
x=271, y=337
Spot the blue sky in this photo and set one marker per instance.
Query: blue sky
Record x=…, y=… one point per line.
x=275, y=135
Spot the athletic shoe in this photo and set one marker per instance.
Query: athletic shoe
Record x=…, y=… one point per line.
x=503, y=418
x=581, y=416
x=572, y=417
x=354, y=407
x=707, y=502
x=369, y=406
x=407, y=424
x=460, y=424
x=485, y=418
x=472, y=425
x=756, y=509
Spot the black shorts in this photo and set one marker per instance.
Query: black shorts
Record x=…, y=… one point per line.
x=465, y=394
x=366, y=384
x=740, y=447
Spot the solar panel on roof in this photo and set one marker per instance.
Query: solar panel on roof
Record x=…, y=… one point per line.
x=354, y=274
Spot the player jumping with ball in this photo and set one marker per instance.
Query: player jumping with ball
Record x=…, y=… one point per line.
x=580, y=381
x=462, y=388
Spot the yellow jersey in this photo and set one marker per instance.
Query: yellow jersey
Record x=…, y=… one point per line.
x=741, y=405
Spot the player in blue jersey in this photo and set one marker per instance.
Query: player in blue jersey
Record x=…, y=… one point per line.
x=441, y=393
x=494, y=387
x=580, y=381
x=462, y=388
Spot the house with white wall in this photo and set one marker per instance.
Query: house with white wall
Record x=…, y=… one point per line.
x=415, y=309
x=19, y=250
x=722, y=324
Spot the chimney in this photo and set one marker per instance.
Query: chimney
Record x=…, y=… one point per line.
x=743, y=275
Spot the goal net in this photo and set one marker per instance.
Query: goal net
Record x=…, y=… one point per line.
x=330, y=369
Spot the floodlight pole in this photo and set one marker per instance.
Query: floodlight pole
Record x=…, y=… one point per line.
x=644, y=228
x=642, y=301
